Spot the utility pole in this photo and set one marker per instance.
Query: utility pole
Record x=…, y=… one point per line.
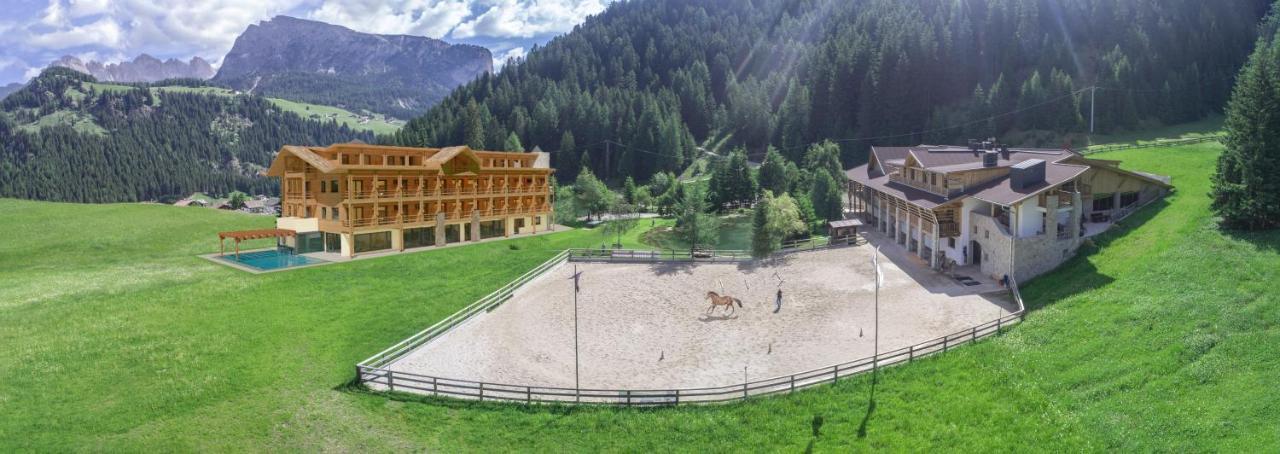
x=1093, y=93
x=607, y=151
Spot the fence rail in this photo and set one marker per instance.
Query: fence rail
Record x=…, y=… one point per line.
x=1161, y=143
x=702, y=256
x=376, y=373
x=488, y=302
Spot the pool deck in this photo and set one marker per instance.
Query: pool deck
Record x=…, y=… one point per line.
x=330, y=258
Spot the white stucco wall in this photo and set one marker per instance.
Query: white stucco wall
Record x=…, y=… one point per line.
x=1029, y=217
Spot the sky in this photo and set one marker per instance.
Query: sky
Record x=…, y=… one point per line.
x=36, y=32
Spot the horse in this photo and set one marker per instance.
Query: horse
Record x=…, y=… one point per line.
x=717, y=300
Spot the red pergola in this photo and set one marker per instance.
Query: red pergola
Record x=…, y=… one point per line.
x=241, y=235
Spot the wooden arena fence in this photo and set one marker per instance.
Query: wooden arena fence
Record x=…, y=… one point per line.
x=376, y=373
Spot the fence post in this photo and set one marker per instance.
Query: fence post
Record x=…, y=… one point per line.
x=391, y=383
x=945, y=339
x=482, y=391
x=744, y=390
x=677, y=397
x=628, y=397
x=974, y=336
x=793, y=383
x=528, y=395
x=435, y=390
x=835, y=373
x=999, y=321
x=911, y=353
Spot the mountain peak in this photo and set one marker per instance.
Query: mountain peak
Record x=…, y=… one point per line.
x=143, y=68
x=395, y=74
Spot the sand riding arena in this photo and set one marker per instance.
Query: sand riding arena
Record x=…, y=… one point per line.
x=647, y=331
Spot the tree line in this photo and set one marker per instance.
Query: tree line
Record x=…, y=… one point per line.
x=666, y=76
x=145, y=145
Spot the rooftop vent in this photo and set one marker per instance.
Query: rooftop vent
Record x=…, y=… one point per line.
x=1004, y=152
x=1026, y=173
x=990, y=158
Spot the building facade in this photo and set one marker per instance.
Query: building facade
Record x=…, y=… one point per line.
x=1009, y=212
x=357, y=198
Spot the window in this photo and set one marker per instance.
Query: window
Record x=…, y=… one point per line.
x=373, y=241
x=951, y=243
x=1128, y=198
x=346, y=159
x=333, y=186
x=986, y=234
x=1104, y=202
x=933, y=179
x=308, y=213
x=334, y=213
x=492, y=229
x=420, y=237
x=324, y=187
x=324, y=212
x=975, y=230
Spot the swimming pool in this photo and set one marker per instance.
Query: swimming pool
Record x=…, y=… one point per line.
x=271, y=260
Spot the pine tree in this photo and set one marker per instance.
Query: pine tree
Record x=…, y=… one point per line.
x=773, y=172
x=762, y=242
x=1246, y=187
x=513, y=144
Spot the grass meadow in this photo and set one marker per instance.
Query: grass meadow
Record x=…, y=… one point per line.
x=1163, y=335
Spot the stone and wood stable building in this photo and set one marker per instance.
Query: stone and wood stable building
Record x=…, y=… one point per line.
x=1009, y=212
x=357, y=198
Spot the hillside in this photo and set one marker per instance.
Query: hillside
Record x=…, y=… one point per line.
x=364, y=121
x=319, y=63
x=133, y=344
x=67, y=137
x=661, y=76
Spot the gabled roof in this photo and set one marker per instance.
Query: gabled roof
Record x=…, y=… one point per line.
x=447, y=154
x=277, y=165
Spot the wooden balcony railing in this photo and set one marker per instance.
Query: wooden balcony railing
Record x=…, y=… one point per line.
x=431, y=217
x=428, y=192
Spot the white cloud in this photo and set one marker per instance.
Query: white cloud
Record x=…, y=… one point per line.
x=208, y=28
x=500, y=58
x=434, y=18
x=103, y=32
x=527, y=18
x=85, y=8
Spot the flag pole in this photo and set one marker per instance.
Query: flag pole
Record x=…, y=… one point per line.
x=577, y=387
x=875, y=359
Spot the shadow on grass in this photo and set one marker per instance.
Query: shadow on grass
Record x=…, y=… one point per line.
x=871, y=409
x=1264, y=240
x=1078, y=274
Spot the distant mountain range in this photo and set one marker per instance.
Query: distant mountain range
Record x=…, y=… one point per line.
x=320, y=63
x=144, y=68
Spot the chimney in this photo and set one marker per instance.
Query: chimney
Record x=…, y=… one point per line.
x=1004, y=152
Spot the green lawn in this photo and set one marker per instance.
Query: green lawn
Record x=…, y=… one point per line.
x=735, y=234
x=377, y=123
x=1165, y=336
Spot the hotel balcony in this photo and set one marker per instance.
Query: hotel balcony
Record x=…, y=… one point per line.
x=430, y=218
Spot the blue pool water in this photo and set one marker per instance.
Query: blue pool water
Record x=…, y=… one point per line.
x=271, y=260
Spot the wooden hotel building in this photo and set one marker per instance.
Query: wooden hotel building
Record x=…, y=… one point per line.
x=357, y=198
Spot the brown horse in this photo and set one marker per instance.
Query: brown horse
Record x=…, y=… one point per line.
x=726, y=301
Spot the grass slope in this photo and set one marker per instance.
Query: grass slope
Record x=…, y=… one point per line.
x=377, y=123
x=1163, y=336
